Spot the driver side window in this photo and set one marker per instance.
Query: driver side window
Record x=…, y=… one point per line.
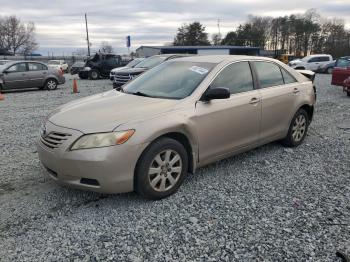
x=20, y=67
x=237, y=77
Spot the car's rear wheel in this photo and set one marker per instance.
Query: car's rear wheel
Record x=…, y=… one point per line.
x=348, y=93
x=329, y=70
x=297, y=129
x=51, y=84
x=94, y=75
x=161, y=169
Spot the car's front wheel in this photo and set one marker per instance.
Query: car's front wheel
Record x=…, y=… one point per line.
x=161, y=169
x=297, y=129
x=51, y=84
x=329, y=70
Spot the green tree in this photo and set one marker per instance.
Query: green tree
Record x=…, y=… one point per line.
x=191, y=35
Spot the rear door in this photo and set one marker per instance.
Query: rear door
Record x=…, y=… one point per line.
x=225, y=126
x=16, y=76
x=341, y=71
x=278, y=91
x=36, y=74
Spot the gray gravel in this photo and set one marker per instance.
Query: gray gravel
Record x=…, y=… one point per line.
x=271, y=204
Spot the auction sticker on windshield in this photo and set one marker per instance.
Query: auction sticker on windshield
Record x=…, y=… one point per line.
x=199, y=70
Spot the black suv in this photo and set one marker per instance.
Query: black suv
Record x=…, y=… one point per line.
x=123, y=76
x=100, y=65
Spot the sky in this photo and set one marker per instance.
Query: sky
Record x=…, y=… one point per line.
x=60, y=24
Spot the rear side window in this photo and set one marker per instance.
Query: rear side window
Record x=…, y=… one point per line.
x=287, y=77
x=237, y=77
x=323, y=59
x=269, y=74
x=36, y=67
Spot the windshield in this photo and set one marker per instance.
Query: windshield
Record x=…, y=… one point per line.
x=173, y=80
x=54, y=62
x=151, y=62
x=133, y=62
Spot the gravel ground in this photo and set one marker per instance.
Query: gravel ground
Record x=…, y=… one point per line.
x=270, y=204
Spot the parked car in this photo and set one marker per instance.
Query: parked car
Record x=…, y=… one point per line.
x=2, y=62
x=311, y=62
x=29, y=74
x=100, y=65
x=124, y=76
x=326, y=68
x=58, y=64
x=182, y=114
x=131, y=64
x=341, y=71
x=77, y=67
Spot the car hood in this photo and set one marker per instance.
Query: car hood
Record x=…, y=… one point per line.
x=119, y=69
x=135, y=70
x=106, y=111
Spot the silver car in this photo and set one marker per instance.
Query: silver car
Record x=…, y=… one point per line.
x=29, y=74
x=181, y=115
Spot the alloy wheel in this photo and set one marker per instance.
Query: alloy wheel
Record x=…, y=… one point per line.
x=51, y=85
x=299, y=128
x=165, y=170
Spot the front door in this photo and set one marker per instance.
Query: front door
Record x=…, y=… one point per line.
x=228, y=125
x=16, y=76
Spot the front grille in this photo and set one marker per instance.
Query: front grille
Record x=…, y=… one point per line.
x=122, y=78
x=54, y=139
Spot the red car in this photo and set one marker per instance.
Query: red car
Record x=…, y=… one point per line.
x=341, y=72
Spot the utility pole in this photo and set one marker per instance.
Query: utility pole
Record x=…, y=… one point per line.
x=87, y=35
x=219, y=27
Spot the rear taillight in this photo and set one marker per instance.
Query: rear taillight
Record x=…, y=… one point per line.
x=60, y=72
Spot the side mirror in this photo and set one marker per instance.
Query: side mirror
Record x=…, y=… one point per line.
x=5, y=72
x=216, y=93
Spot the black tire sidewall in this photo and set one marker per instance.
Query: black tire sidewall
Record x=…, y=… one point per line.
x=289, y=141
x=142, y=185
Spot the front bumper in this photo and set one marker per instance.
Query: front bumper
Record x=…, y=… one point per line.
x=105, y=170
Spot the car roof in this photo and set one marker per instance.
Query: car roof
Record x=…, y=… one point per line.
x=318, y=55
x=222, y=58
x=24, y=61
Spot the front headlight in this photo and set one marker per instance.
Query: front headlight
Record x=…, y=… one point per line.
x=102, y=139
x=87, y=68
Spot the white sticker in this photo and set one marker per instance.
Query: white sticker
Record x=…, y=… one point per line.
x=199, y=70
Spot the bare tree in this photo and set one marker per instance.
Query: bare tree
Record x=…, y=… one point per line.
x=17, y=36
x=106, y=47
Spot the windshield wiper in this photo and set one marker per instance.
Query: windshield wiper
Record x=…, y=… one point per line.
x=138, y=93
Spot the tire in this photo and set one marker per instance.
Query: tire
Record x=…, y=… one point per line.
x=297, y=130
x=51, y=84
x=155, y=158
x=329, y=70
x=348, y=93
x=94, y=75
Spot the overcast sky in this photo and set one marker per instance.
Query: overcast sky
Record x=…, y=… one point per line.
x=60, y=24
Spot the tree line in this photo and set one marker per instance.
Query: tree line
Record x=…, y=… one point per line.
x=298, y=34
x=16, y=36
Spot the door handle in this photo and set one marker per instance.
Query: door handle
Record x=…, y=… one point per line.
x=296, y=91
x=254, y=101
